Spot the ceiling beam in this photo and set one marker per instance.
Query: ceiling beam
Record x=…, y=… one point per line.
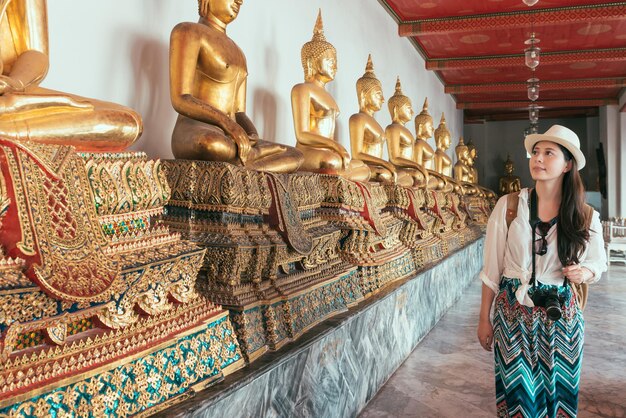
x=514, y=20
x=523, y=104
x=523, y=115
x=548, y=58
x=545, y=85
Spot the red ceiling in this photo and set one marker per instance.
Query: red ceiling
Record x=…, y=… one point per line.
x=409, y=10
x=481, y=42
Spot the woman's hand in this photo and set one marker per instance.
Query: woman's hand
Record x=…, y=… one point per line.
x=577, y=274
x=485, y=334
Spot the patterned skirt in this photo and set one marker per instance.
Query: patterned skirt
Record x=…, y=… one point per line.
x=537, y=360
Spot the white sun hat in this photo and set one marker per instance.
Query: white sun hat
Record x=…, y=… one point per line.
x=559, y=135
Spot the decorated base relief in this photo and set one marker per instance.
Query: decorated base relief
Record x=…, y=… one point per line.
x=96, y=296
x=268, y=248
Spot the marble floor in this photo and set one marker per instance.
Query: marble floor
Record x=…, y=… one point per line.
x=450, y=375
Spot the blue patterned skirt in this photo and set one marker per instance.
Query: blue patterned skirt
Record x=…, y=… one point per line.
x=537, y=360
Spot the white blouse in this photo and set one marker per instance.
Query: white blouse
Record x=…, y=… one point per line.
x=507, y=251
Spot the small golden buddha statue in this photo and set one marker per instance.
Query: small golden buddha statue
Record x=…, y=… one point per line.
x=509, y=183
x=424, y=126
x=208, y=79
x=400, y=141
x=33, y=113
x=443, y=162
x=462, y=172
x=461, y=169
x=367, y=137
x=315, y=112
x=472, y=155
x=424, y=153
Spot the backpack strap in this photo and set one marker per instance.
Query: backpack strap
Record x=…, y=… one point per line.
x=511, y=207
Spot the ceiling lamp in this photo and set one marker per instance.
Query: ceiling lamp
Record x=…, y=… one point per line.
x=534, y=127
x=530, y=3
x=533, y=113
x=533, y=88
x=531, y=54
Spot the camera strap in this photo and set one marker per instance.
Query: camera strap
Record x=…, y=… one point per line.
x=534, y=220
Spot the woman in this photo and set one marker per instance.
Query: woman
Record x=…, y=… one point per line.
x=537, y=356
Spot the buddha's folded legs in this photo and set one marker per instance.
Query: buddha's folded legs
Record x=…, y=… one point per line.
x=410, y=178
x=195, y=140
x=380, y=174
x=48, y=116
x=320, y=160
x=277, y=158
x=326, y=161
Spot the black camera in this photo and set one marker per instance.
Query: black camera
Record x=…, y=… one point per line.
x=550, y=299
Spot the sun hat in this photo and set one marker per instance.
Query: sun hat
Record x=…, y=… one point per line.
x=559, y=135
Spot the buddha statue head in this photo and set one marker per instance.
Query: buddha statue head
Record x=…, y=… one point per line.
x=400, y=106
x=219, y=11
x=369, y=90
x=442, y=134
x=424, y=124
x=319, y=57
x=461, y=150
x=508, y=166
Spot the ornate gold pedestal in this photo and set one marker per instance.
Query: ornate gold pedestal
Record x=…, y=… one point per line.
x=272, y=260
x=410, y=205
x=98, y=308
x=371, y=233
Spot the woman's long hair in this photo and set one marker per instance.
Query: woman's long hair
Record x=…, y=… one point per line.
x=572, y=227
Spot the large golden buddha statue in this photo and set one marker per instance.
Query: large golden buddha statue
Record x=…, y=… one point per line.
x=315, y=112
x=208, y=79
x=400, y=141
x=443, y=162
x=33, y=113
x=367, y=137
x=509, y=183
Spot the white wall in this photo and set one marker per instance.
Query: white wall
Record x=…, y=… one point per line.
x=610, y=137
x=117, y=50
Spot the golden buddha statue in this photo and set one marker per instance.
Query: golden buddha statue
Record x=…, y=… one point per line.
x=461, y=169
x=400, y=141
x=208, y=79
x=33, y=113
x=424, y=126
x=462, y=172
x=472, y=154
x=315, y=112
x=443, y=162
x=424, y=154
x=509, y=183
x=367, y=137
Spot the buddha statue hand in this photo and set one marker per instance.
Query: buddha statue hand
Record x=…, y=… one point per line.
x=345, y=158
x=394, y=172
x=241, y=138
x=10, y=85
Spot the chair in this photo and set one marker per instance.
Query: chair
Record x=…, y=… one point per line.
x=614, y=232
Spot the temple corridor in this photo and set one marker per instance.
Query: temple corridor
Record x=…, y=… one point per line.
x=450, y=375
